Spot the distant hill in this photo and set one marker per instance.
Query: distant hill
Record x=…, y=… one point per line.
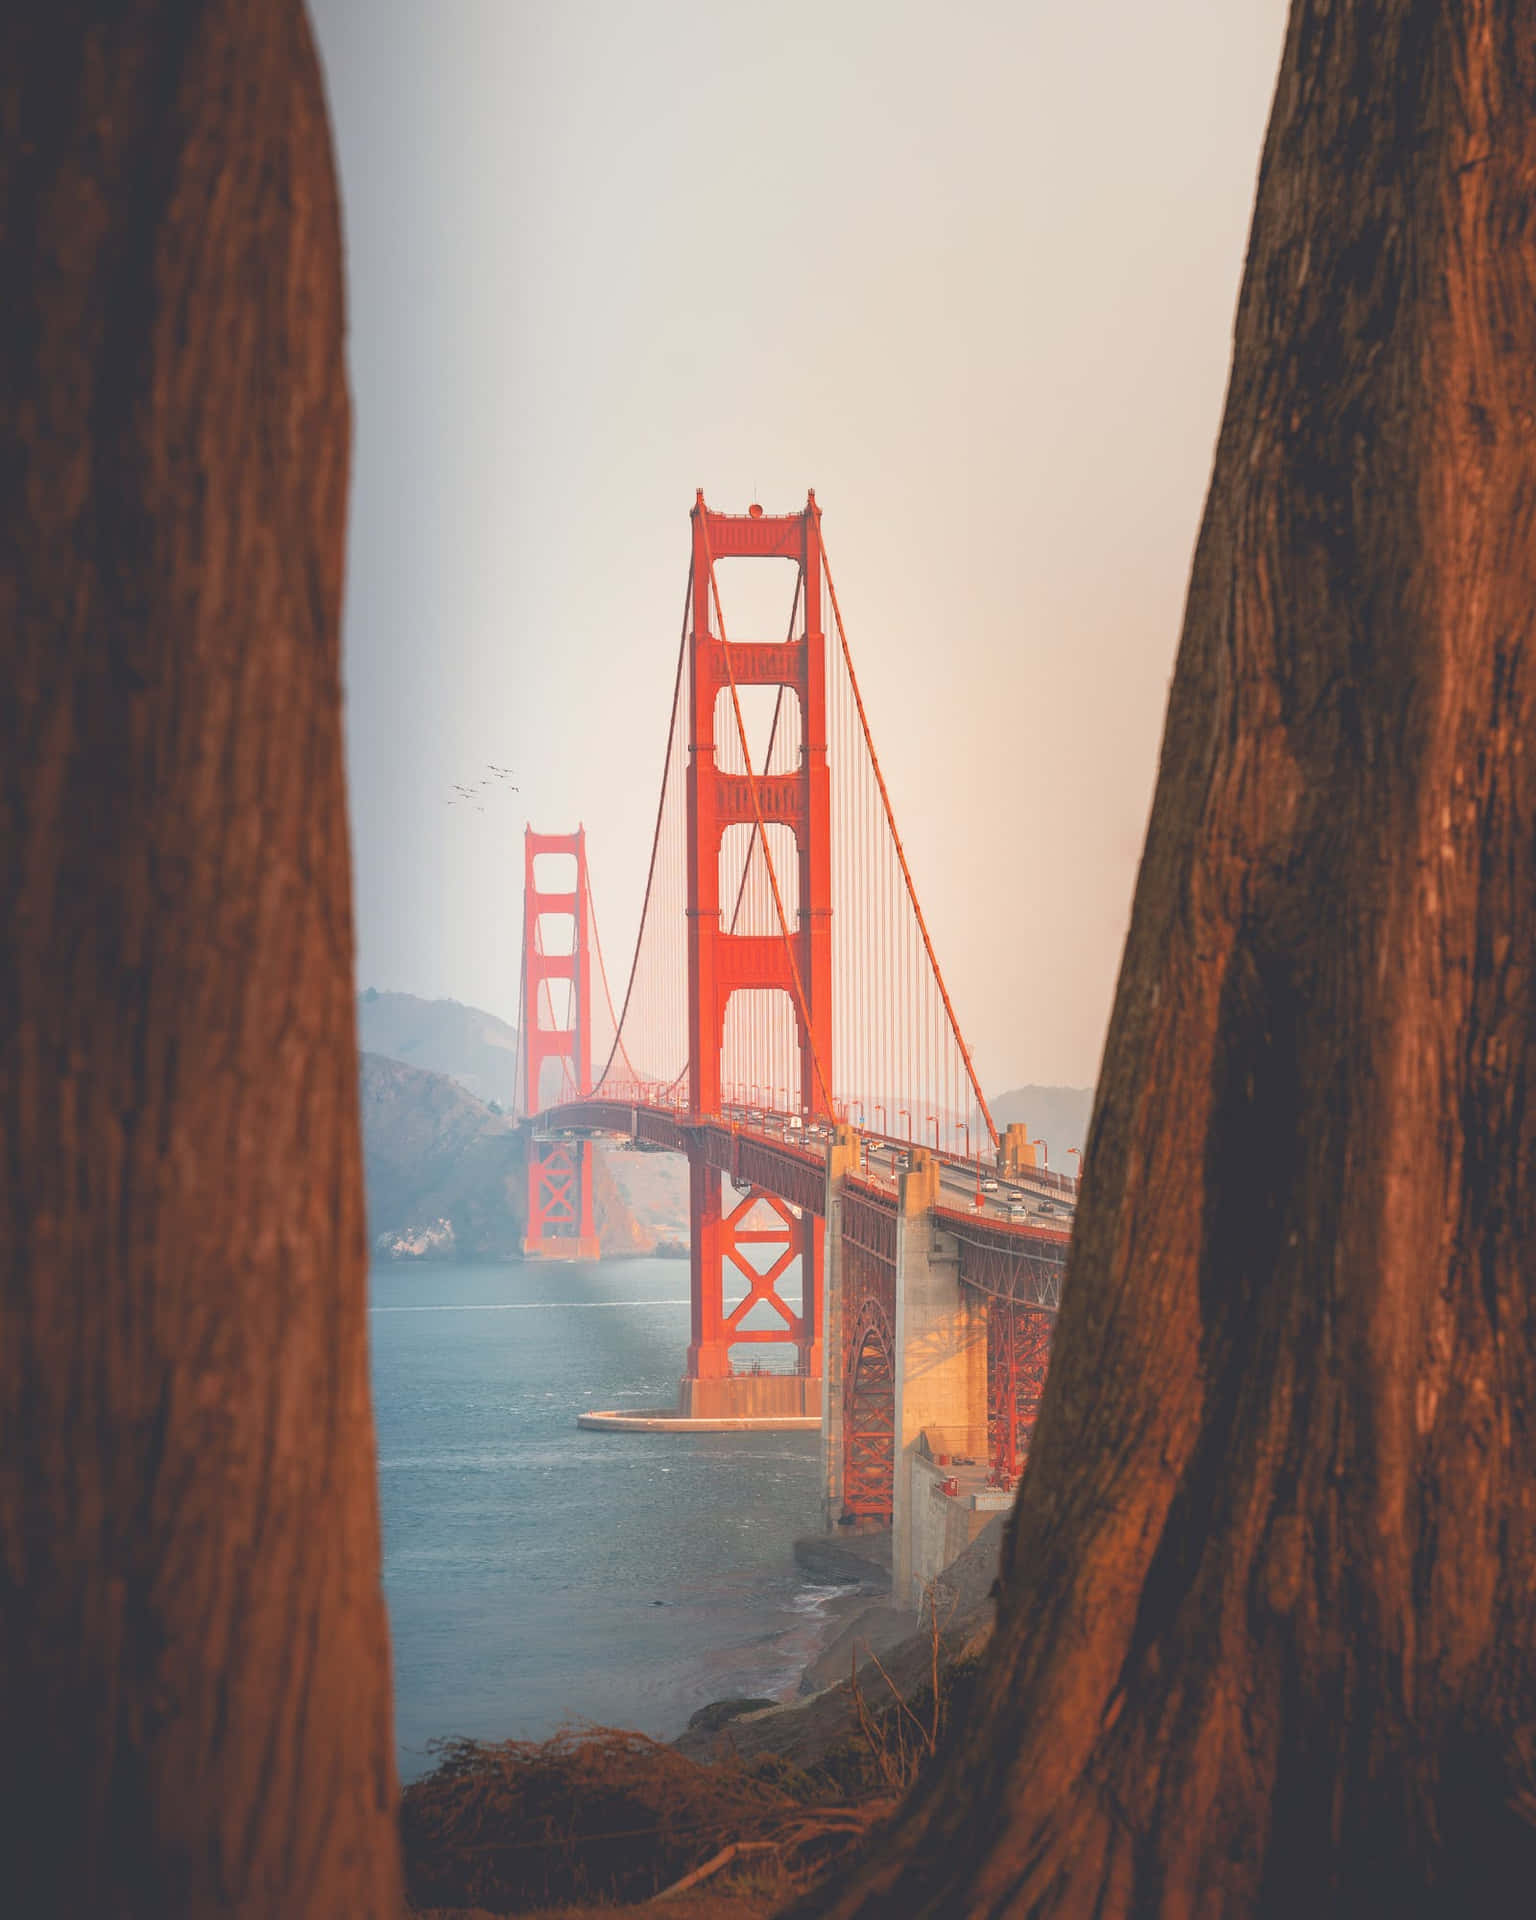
x=474, y=1048
x=441, y=1152
x=656, y=1187
x=447, y=1177
x=1057, y=1115
x=479, y=1052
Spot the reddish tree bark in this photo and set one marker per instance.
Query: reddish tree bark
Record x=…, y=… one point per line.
x=194, y=1682
x=1267, y=1634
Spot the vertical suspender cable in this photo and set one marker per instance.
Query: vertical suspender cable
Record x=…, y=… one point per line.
x=954, y=1024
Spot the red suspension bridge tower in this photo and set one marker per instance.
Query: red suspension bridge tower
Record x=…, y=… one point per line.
x=811, y=1069
x=792, y=962
x=556, y=1026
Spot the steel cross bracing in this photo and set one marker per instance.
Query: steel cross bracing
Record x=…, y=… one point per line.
x=783, y=980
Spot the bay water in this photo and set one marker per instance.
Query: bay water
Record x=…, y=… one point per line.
x=539, y=1575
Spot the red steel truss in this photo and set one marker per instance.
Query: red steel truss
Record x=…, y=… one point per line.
x=1018, y=1353
x=556, y=1024
x=721, y=963
x=868, y=1335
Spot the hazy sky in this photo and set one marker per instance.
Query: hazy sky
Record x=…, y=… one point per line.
x=969, y=271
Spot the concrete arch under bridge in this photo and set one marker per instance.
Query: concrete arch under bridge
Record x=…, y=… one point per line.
x=934, y=1315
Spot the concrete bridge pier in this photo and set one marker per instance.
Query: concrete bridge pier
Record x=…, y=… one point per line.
x=941, y=1386
x=938, y=1351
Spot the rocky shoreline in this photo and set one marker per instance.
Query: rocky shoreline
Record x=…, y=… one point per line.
x=816, y=1777
x=883, y=1651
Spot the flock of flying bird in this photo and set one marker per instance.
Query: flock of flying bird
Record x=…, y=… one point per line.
x=470, y=796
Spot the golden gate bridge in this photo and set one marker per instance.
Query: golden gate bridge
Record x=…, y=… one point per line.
x=786, y=1027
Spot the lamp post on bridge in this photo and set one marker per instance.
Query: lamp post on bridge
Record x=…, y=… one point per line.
x=934, y=1122
x=1079, y=1152
x=880, y=1119
x=903, y=1113
x=959, y=1124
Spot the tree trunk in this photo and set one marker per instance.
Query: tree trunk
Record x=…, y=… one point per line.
x=1267, y=1632
x=194, y=1684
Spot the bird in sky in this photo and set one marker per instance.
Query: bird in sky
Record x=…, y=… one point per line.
x=500, y=778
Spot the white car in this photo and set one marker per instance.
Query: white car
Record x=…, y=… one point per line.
x=989, y=1186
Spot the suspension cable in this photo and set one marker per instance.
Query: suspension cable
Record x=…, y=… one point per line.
x=661, y=804
x=522, y=1021
x=602, y=968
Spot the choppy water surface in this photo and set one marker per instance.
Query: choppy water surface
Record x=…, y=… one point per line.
x=537, y=1574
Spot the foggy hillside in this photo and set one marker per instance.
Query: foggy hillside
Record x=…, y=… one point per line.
x=1057, y=1115
x=448, y=1178
x=474, y=1048
x=479, y=1052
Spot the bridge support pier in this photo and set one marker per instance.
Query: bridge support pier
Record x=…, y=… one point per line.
x=561, y=1222
x=941, y=1370
x=756, y=1242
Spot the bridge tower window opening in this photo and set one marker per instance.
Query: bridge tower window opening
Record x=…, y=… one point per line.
x=556, y=933
x=558, y=871
x=747, y=905
x=771, y=722
x=556, y=1008
x=760, y=1050
x=763, y=595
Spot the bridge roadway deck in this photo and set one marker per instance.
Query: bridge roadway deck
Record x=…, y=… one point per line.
x=1004, y=1252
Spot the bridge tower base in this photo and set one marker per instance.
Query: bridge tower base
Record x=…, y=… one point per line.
x=753, y=1245
x=752, y=1396
x=561, y=1222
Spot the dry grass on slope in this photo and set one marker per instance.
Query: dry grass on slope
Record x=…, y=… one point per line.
x=611, y=1817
